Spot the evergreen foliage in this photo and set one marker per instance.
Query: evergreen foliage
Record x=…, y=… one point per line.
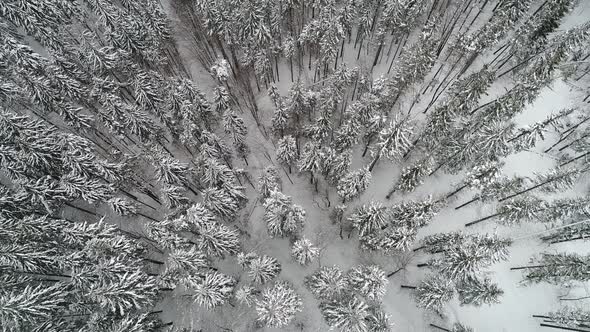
x=278, y=305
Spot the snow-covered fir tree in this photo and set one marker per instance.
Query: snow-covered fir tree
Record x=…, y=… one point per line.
x=262, y=269
x=353, y=184
x=557, y=268
x=278, y=305
x=434, y=292
x=212, y=289
x=328, y=282
x=412, y=177
x=477, y=291
x=282, y=216
x=369, y=281
x=268, y=181
x=570, y=316
x=467, y=258
x=287, y=151
x=304, y=251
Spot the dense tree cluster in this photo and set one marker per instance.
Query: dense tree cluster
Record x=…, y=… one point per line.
x=123, y=184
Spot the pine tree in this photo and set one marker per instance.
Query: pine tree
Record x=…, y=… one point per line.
x=220, y=202
x=476, y=291
x=212, y=237
x=348, y=134
x=263, y=269
x=353, y=184
x=506, y=14
x=310, y=159
x=132, y=290
x=441, y=242
x=412, y=177
x=212, y=289
x=415, y=213
x=122, y=206
x=414, y=63
x=369, y=281
x=304, y=251
x=278, y=305
x=173, y=197
x=30, y=306
x=349, y=314
x=186, y=261
x=532, y=35
x=469, y=257
x=480, y=177
x=557, y=268
x=335, y=164
x=328, y=282
x=268, y=181
x=234, y=126
x=570, y=317
x=516, y=210
x=216, y=174
x=434, y=292
x=246, y=295
x=378, y=320
x=282, y=216
x=280, y=120
x=393, y=141
x=287, y=151
x=370, y=218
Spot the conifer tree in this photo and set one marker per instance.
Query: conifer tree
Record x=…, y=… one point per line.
x=278, y=305
x=310, y=159
x=282, y=216
x=246, y=295
x=440, y=242
x=29, y=306
x=287, y=151
x=557, y=268
x=370, y=218
x=348, y=314
x=570, y=317
x=369, y=281
x=211, y=289
x=220, y=202
x=393, y=141
x=434, y=292
x=412, y=177
x=466, y=259
x=477, y=291
x=335, y=164
x=304, y=251
x=268, y=181
x=328, y=282
x=263, y=269
x=353, y=184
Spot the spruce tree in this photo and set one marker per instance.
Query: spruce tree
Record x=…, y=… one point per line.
x=557, y=268
x=477, y=291
x=278, y=305
x=304, y=251
x=287, y=151
x=369, y=281
x=328, y=282
x=353, y=184
x=212, y=289
x=434, y=292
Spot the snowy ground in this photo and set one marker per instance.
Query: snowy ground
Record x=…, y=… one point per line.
x=518, y=303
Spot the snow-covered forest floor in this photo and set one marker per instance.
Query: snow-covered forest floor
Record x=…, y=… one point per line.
x=189, y=247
